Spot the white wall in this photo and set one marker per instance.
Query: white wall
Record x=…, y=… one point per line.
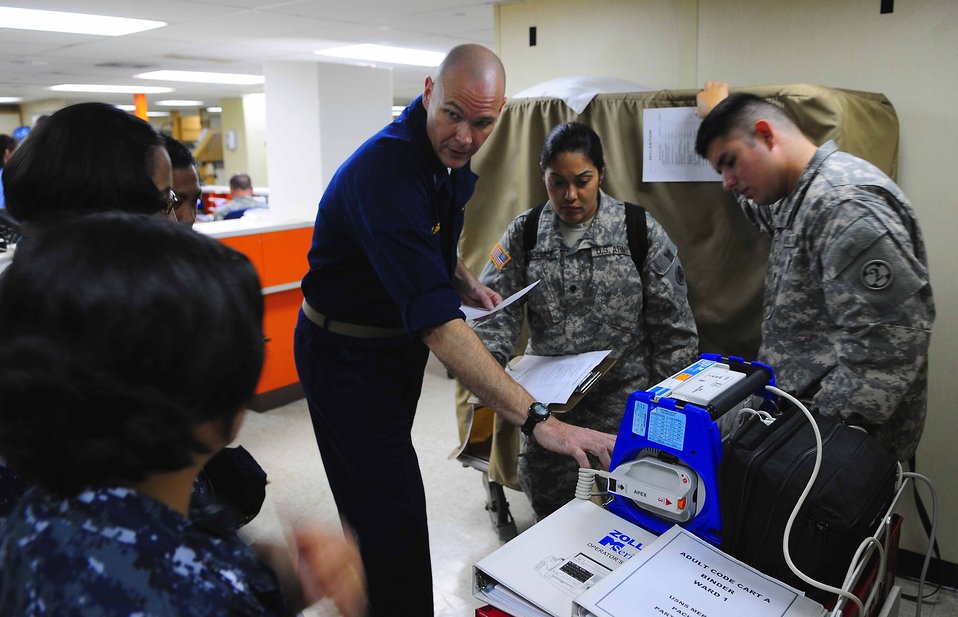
x=9, y=122
x=909, y=55
x=234, y=159
x=645, y=41
x=355, y=102
x=31, y=110
x=246, y=117
x=316, y=115
x=254, y=117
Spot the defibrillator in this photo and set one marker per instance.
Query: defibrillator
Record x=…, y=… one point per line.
x=665, y=461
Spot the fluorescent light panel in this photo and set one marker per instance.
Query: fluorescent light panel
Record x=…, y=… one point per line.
x=386, y=54
x=215, y=109
x=111, y=89
x=126, y=107
x=75, y=23
x=157, y=114
x=10, y=99
x=179, y=103
x=199, y=77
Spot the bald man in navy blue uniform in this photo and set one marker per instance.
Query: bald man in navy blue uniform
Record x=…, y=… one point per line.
x=384, y=288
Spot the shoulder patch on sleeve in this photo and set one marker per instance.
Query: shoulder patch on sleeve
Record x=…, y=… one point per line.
x=499, y=256
x=879, y=277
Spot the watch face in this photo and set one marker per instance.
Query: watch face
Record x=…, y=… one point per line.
x=537, y=413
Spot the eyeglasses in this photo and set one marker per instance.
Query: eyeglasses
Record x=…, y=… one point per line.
x=171, y=200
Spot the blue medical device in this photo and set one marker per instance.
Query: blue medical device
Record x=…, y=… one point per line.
x=665, y=462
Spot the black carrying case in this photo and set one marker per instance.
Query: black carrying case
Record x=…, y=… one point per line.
x=764, y=471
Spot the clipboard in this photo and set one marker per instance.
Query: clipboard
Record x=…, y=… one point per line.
x=583, y=388
x=580, y=391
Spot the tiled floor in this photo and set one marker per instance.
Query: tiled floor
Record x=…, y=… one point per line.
x=460, y=529
x=941, y=604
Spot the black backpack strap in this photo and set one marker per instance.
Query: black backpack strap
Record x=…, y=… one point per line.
x=530, y=232
x=636, y=229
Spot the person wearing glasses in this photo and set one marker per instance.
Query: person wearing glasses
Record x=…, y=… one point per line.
x=92, y=157
x=112, y=434
x=186, y=181
x=87, y=158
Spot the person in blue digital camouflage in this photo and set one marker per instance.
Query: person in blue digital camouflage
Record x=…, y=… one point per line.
x=93, y=157
x=593, y=294
x=848, y=306
x=97, y=317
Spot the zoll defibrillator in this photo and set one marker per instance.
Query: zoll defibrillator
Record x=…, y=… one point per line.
x=666, y=456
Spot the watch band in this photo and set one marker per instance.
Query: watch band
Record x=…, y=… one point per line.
x=537, y=413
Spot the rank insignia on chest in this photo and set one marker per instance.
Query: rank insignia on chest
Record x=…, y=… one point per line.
x=435, y=228
x=499, y=256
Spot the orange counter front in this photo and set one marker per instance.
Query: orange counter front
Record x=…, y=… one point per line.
x=278, y=252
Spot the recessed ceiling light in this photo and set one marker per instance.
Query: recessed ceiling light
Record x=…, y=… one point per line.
x=126, y=107
x=157, y=114
x=216, y=109
x=234, y=79
x=179, y=103
x=384, y=53
x=110, y=89
x=10, y=99
x=76, y=23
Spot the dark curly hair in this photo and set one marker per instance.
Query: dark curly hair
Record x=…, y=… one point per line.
x=119, y=333
x=88, y=157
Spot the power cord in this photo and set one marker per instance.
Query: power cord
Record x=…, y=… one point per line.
x=859, y=554
x=586, y=479
x=932, y=534
x=583, y=486
x=801, y=500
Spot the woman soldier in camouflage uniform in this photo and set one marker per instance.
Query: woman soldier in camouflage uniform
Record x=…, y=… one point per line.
x=593, y=295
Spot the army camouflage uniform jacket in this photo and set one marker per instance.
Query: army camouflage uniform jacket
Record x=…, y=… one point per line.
x=848, y=307
x=590, y=297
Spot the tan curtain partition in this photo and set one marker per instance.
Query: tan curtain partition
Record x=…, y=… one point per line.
x=723, y=255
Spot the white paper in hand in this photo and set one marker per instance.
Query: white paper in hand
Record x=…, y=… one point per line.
x=474, y=314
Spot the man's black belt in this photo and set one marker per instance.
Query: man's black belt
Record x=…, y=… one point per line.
x=348, y=329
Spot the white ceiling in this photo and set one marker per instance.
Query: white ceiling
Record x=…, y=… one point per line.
x=230, y=36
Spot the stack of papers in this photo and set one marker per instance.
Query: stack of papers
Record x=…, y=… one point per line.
x=680, y=574
x=553, y=379
x=558, y=381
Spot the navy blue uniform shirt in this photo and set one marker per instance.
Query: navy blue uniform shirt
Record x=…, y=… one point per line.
x=386, y=236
